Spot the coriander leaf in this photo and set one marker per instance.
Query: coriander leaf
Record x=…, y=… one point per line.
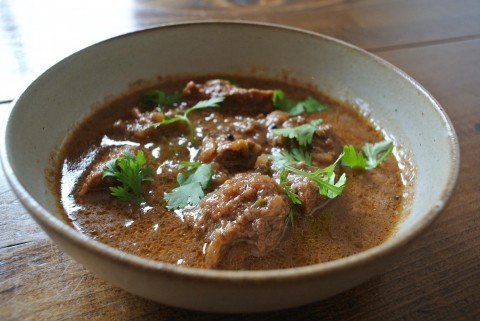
x=124, y=194
x=278, y=98
x=291, y=156
x=324, y=178
x=340, y=183
x=294, y=108
x=311, y=105
x=184, y=195
x=288, y=190
x=185, y=164
x=191, y=187
x=303, y=133
x=369, y=157
x=212, y=102
x=182, y=177
x=292, y=195
x=377, y=152
x=352, y=158
x=159, y=98
x=201, y=175
x=130, y=170
x=281, y=102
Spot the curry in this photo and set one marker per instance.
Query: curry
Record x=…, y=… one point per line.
x=230, y=174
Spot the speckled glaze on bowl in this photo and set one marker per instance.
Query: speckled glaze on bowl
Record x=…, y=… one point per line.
x=52, y=104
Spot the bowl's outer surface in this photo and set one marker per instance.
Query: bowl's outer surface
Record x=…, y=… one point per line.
x=52, y=104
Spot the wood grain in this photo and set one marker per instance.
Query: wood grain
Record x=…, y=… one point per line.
x=435, y=41
x=30, y=43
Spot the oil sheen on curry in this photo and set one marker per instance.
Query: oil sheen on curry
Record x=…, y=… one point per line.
x=238, y=174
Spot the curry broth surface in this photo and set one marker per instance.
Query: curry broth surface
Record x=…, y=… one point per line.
x=362, y=217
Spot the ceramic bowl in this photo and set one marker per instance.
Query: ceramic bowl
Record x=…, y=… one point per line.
x=43, y=115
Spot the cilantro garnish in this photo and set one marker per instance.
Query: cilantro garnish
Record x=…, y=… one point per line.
x=159, y=98
x=212, y=102
x=191, y=185
x=324, y=178
x=130, y=171
x=292, y=195
x=377, y=152
x=353, y=158
x=291, y=156
x=303, y=133
x=293, y=107
x=288, y=189
x=369, y=157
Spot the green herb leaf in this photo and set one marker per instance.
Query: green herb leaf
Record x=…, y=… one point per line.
x=182, y=177
x=377, y=152
x=288, y=190
x=369, y=157
x=330, y=178
x=294, y=108
x=212, y=102
x=290, y=219
x=311, y=105
x=352, y=158
x=191, y=186
x=159, y=98
x=130, y=170
x=324, y=178
x=303, y=133
x=291, y=156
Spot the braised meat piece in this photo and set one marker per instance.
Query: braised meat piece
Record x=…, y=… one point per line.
x=234, y=143
x=236, y=155
x=276, y=118
x=241, y=100
x=248, y=210
x=307, y=192
x=326, y=146
x=240, y=153
x=140, y=126
x=324, y=150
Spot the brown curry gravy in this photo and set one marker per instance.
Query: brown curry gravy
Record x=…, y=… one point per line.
x=362, y=217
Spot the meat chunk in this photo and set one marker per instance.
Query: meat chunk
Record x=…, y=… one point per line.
x=326, y=146
x=281, y=119
x=235, y=144
x=248, y=210
x=276, y=118
x=324, y=151
x=236, y=155
x=239, y=154
x=140, y=126
x=307, y=192
x=242, y=100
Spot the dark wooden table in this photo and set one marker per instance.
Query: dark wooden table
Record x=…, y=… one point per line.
x=435, y=41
